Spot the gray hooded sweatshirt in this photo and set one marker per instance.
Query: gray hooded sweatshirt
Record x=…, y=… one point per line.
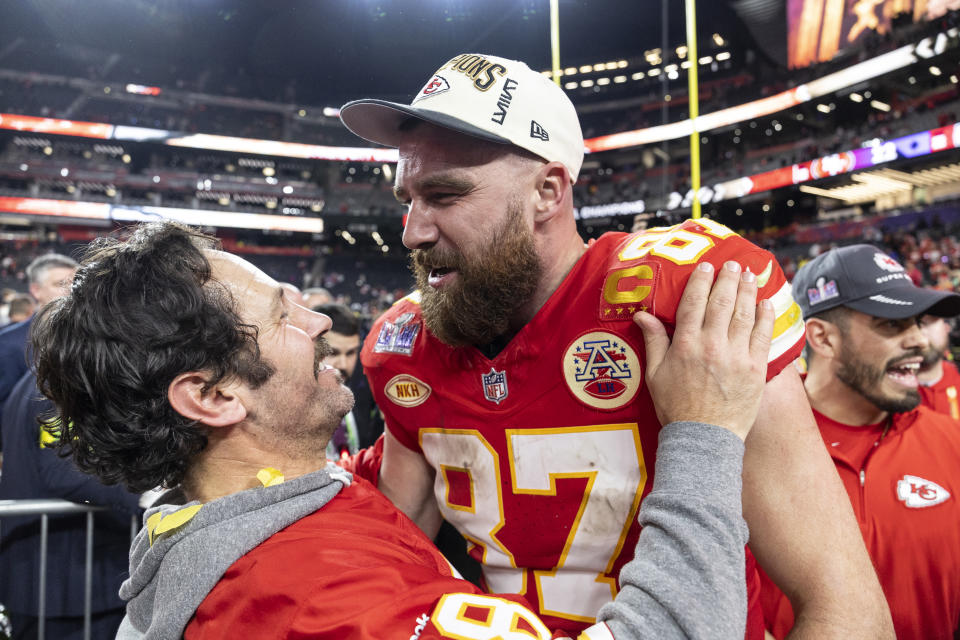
x=686, y=580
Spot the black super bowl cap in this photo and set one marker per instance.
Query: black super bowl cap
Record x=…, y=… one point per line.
x=864, y=278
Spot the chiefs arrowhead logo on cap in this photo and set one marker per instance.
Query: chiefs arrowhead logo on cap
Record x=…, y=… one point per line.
x=887, y=263
x=436, y=84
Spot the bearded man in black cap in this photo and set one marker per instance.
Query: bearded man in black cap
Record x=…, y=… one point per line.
x=897, y=459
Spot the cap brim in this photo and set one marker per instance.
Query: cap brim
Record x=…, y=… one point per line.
x=379, y=121
x=898, y=303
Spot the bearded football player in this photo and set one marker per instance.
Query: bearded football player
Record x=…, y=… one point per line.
x=511, y=380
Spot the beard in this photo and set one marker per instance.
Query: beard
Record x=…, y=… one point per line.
x=931, y=356
x=866, y=379
x=490, y=287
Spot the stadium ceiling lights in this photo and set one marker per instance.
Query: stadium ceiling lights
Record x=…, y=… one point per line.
x=872, y=185
x=823, y=86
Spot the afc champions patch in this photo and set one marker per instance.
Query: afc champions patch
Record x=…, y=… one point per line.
x=602, y=370
x=407, y=391
x=916, y=493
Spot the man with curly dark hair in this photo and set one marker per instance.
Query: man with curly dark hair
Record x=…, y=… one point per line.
x=174, y=363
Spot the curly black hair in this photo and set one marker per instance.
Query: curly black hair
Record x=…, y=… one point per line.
x=140, y=313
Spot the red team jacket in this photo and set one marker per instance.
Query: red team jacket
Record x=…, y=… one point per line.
x=905, y=498
x=544, y=453
x=357, y=568
x=942, y=396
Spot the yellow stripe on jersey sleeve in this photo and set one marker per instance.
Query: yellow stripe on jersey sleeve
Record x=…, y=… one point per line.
x=415, y=297
x=788, y=326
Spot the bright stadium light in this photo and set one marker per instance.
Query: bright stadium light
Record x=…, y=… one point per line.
x=823, y=108
x=705, y=60
x=653, y=72
x=586, y=83
x=571, y=85
x=603, y=81
x=620, y=79
x=717, y=40
x=723, y=55
x=586, y=69
x=856, y=97
x=639, y=75
x=935, y=70
x=880, y=106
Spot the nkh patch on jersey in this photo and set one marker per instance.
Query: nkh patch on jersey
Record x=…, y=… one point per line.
x=407, y=391
x=602, y=370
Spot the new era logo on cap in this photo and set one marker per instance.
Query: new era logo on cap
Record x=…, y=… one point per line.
x=536, y=131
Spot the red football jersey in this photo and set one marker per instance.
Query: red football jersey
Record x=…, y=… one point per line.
x=357, y=569
x=942, y=396
x=544, y=453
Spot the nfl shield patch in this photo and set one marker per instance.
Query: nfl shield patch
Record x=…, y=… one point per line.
x=495, y=385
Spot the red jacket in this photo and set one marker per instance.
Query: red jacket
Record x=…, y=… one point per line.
x=943, y=395
x=905, y=497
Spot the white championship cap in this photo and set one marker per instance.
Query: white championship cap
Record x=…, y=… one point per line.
x=487, y=97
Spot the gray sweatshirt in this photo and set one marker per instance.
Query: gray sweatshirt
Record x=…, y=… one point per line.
x=685, y=581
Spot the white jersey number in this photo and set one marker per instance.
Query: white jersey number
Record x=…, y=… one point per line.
x=609, y=457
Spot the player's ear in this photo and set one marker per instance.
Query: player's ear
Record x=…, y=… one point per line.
x=823, y=337
x=216, y=406
x=553, y=190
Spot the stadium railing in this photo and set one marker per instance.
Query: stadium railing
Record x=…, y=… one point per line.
x=46, y=508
